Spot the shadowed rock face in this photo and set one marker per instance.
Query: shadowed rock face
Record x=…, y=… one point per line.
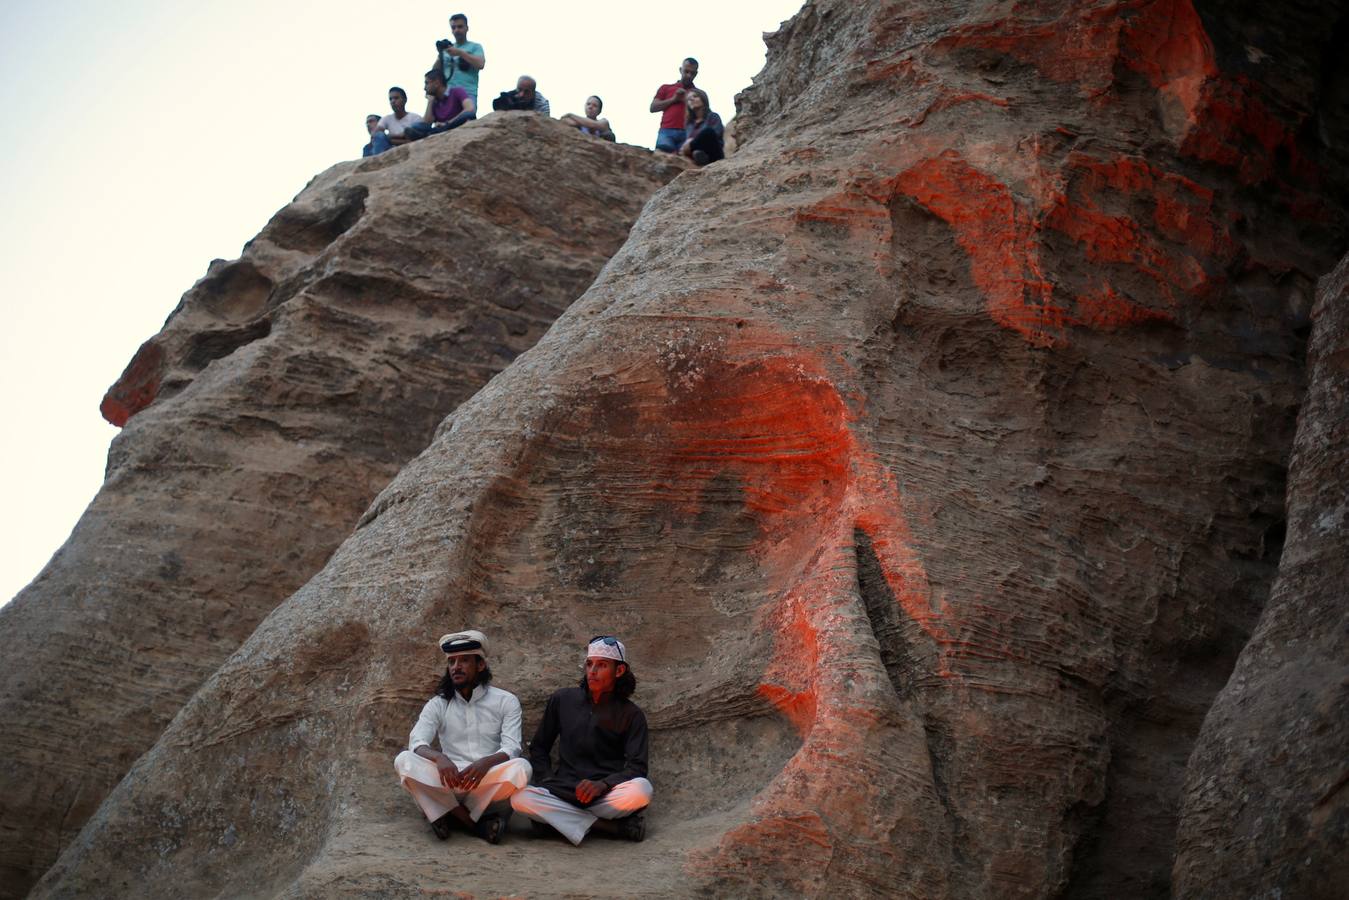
x=928, y=453
x=1266, y=811
x=283, y=393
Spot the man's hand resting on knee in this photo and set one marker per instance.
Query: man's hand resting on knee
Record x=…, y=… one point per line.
x=473, y=772
x=449, y=772
x=588, y=790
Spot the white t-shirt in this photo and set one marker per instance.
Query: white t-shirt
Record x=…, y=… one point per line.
x=396, y=126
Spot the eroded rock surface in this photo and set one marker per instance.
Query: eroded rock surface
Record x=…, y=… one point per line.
x=1266, y=810
x=283, y=393
x=929, y=453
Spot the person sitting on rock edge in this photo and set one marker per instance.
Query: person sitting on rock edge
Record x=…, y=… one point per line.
x=669, y=102
x=600, y=780
x=446, y=108
x=372, y=129
x=591, y=123
x=702, y=131
x=393, y=127
x=525, y=96
x=478, y=727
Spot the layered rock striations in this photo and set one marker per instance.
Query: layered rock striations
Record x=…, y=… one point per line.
x=928, y=453
x=283, y=393
x=1266, y=812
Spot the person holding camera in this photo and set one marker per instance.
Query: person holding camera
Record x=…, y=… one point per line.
x=446, y=108
x=461, y=59
x=525, y=96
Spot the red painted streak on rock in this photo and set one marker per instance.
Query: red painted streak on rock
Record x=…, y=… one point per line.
x=138, y=386
x=1238, y=131
x=1094, y=202
x=1107, y=310
x=781, y=428
x=777, y=428
x=997, y=236
x=1225, y=122
x=1165, y=41
x=1078, y=48
x=776, y=425
x=1210, y=116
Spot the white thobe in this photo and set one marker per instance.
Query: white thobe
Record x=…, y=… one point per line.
x=467, y=730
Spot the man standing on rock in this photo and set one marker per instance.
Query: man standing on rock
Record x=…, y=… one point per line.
x=600, y=779
x=669, y=102
x=461, y=58
x=478, y=727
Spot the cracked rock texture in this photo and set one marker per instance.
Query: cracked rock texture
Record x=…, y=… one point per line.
x=280, y=397
x=929, y=453
x=1266, y=809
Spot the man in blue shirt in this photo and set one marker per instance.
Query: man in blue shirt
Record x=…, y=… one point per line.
x=461, y=58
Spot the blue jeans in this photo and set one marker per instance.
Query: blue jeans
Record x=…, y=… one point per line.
x=426, y=129
x=379, y=142
x=670, y=139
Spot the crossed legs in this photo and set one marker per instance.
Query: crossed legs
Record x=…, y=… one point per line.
x=422, y=779
x=572, y=821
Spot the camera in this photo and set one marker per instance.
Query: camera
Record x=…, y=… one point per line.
x=442, y=44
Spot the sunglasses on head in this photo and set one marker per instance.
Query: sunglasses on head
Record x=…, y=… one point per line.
x=608, y=641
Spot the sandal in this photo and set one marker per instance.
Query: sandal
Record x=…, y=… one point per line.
x=491, y=827
x=634, y=827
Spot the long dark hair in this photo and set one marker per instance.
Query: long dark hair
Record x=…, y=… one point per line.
x=446, y=687
x=624, y=685
x=707, y=107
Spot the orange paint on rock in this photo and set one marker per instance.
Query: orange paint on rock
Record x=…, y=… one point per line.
x=775, y=424
x=1107, y=310
x=138, y=386
x=1211, y=116
x=799, y=707
x=1166, y=42
x=1174, y=249
x=1080, y=48
x=996, y=234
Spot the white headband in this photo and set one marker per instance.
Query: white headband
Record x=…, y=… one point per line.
x=465, y=642
x=607, y=648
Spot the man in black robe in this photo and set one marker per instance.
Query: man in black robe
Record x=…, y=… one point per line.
x=600, y=778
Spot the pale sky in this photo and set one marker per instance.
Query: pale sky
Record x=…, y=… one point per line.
x=149, y=137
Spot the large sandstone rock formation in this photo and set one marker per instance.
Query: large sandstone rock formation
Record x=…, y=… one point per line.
x=1266, y=810
x=929, y=453
x=283, y=393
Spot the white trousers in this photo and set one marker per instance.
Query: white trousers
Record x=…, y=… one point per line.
x=422, y=779
x=622, y=800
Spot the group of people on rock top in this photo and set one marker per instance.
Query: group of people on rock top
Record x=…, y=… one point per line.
x=688, y=125
x=479, y=776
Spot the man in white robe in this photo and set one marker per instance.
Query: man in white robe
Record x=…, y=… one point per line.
x=478, y=729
